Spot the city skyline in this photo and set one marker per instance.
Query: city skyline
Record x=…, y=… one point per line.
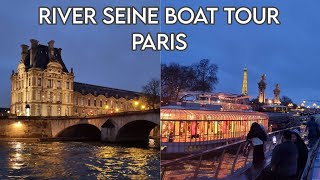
x=99, y=55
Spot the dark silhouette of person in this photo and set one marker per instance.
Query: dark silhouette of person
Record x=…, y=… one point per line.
x=302, y=152
x=258, y=151
x=171, y=136
x=284, y=159
x=313, y=131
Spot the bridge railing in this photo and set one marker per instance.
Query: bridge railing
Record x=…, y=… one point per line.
x=216, y=163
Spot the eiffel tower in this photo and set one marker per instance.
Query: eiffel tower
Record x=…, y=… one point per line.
x=245, y=82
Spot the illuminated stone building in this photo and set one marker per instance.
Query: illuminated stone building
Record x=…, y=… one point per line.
x=43, y=86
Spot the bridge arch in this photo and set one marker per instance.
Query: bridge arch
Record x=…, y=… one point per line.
x=80, y=131
x=129, y=126
x=135, y=131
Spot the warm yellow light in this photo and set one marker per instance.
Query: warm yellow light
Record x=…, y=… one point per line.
x=143, y=107
x=117, y=109
x=18, y=124
x=136, y=103
x=107, y=107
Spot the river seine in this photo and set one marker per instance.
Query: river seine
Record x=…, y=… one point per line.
x=76, y=160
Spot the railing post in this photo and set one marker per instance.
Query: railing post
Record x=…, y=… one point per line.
x=163, y=172
x=198, y=167
x=245, y=161
x=220, y=162
x=236, y=158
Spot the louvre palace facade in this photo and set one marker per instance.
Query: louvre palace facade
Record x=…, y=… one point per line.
x=43, y=86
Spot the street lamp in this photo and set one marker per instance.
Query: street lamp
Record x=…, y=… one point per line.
x=28, y=110
x=270, y=101
x=143, y=107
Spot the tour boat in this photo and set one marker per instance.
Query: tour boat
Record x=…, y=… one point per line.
x=205, y=121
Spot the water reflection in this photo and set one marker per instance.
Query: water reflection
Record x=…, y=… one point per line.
x=74, y=160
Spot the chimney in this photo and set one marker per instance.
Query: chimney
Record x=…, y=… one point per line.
x=51, y=49
x=33, y=51
x=59, y=51
x=24, y=52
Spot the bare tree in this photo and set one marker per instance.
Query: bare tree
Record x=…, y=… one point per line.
x=152, y=91
x=175, y=78
x=285, y=100
x=206, y=76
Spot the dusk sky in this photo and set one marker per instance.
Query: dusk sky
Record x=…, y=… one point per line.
x=289, y=54
x=99, y=55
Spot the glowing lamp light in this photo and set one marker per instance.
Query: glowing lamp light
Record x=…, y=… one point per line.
x=274, y=140
x=107, y=107
x=143, y=107
x=18, y=124
x=136, y=103
x=117, y=109
x=28, y=110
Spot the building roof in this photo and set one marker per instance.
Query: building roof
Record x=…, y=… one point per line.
x=168, y=113
x=274, y=105
x=85, y=89
x=41, y=59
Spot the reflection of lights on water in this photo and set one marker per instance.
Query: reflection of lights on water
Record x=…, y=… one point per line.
x=18, y=124
x=17, y=156
x=18, y=145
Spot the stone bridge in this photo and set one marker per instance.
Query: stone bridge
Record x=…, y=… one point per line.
x=120, y=127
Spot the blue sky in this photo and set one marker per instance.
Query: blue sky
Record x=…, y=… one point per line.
x=99, y=55
x=289, y=54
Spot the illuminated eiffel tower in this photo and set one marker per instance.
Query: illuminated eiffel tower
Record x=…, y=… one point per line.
x=245, y=82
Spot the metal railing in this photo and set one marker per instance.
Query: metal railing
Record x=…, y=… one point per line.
x=216, y=163
x=307, y=173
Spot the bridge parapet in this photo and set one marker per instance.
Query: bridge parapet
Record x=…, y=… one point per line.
x=56, y=126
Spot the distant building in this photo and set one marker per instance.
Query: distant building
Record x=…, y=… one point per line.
x=226, y=101
x=43, y=86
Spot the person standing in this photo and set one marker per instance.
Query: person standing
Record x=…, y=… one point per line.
x=313, y=131
x=284, y=159
x=302, y=152
x=256, y=137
